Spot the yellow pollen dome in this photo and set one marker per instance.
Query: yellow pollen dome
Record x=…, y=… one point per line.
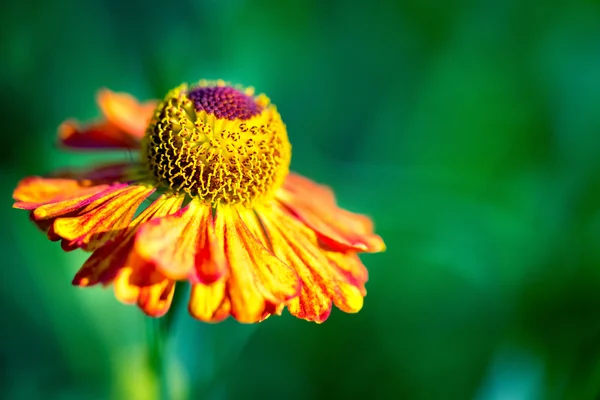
x=218, y=143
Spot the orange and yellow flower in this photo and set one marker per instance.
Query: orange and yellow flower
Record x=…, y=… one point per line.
x=224, y=212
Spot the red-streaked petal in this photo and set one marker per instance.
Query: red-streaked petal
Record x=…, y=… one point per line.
x=313, y=303
x=103, y=219
x=89, y=217
x=350, y=267
x=335, y=227
x=322, y=283
x=126, y=112
x=106, y=262
x=101, y=135
x=209, y=302
x=257, y=277
x=184, y=245
x=35, y=191
x=272, y=309
x=76, y=203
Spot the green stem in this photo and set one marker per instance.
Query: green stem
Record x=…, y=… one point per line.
x=158, y=331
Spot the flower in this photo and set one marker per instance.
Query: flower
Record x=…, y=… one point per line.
x=224, y=211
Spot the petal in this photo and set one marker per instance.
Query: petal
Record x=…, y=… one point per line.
x=209, y=302
x=34, y=191
x=322, y=282
x=304, y=187
x=99, y=135
x=125, y=112
x=55, y=205
x=124, y=126
x=112, y=263
x=257, y=277
x=109, y=173
x=336, y=228
x=101, y=220
x=105, y=263
x=350, y=267
x=76, y=202
x=184, y=245
x=125, y=291
x=155, y=300
x=272, y=310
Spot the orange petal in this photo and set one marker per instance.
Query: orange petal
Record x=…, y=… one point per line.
x=101, y=220
x=183, y=245
x=125, y=291
x=155, y=300
x=209, y=302
x=350, y=267
x=34, y=191
x=257, y=277
x=304, y=187
x=107, y=261
x=336, y=228
x=125, y=112
x=314, y=302
x=322, y=283
x=53, y=205
x=76, y=202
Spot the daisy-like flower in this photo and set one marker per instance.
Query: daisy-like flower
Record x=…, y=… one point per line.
x=211, y=201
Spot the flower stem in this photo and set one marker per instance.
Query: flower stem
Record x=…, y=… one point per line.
x=158, y=334
x=156, y=356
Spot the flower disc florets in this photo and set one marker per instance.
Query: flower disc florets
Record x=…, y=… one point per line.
x=219, y=143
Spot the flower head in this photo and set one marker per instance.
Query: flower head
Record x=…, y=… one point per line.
x=216, y=206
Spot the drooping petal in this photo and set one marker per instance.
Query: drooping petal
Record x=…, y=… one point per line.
x=106, y=262
x=257, y=279
x=156, y=299
x=184, y=245
x=133, y=283
x=92, y=227
x=322, y=282
x=335, y=227
x=123, y=128
x=125, y=112
x=210, y=303
x=51, y=204
x=125, y=291
x=35, y=191
x=350, y=267
x=89, y=217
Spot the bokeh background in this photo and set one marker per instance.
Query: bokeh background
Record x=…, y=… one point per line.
x=468, y=130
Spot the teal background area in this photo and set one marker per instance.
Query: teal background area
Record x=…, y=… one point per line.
x=468, y=130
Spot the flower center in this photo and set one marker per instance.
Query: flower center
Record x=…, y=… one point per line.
x=224, y=102
x=218, y=143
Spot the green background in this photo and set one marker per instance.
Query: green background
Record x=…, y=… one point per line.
x=468, y=130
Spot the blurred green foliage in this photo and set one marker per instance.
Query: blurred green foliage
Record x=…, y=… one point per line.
x=468, y=130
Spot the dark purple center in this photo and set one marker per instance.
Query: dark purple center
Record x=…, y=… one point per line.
x=224, y=102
